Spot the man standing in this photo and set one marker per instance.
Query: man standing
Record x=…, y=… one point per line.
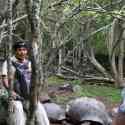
x=21, y=68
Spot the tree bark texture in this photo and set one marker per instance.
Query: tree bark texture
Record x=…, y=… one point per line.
x=98, y=66
x=9, y=46
x=33, y=9
x=116, y=49
x=121, y=62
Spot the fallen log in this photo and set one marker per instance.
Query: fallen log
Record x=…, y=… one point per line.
x=93, y=79
x=70, y=70
x=61, y=76
x=98, y=79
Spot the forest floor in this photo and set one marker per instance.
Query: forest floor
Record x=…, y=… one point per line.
x=62, y=91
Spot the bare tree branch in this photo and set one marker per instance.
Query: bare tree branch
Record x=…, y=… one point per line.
x=2, y=33
x=14, y=21
x=98, y=9
x=86, y=38
x=113, y=3
x=57, y=3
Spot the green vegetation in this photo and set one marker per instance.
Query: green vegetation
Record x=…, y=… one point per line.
x=109, y=94
x=54, y=80
x=112, y=94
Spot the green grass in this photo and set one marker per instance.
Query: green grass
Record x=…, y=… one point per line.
x=110, y=93
x=55, y=80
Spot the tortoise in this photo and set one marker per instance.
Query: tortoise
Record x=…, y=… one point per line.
x=87, y=111
x=55, y=112
x=119, y=119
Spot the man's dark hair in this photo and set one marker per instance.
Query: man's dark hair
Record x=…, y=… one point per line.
x=20, y=44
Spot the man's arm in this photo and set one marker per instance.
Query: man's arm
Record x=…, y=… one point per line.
x=6, y=85
x=4, y=75
x=5, y=81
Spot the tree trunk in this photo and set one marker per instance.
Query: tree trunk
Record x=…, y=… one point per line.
x=9, y=55
x=120, y=63
x=33, y=9
x=114, y=70
x=60, y=55
x=97, y=65
x=116, y=43
x=60, y=61
x=10, y=73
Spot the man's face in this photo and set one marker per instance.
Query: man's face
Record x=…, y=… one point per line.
x=21, y=53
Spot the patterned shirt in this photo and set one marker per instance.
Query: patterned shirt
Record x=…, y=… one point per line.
x=22, y=77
